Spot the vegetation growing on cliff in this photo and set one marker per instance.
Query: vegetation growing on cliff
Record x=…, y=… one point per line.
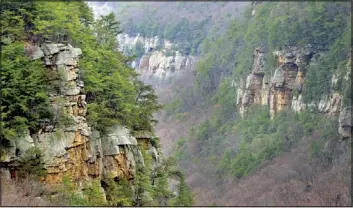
x=184, y=23
x=114, y=94
x=226, y=59
x=24, y=93
x=247, y=145
x=32, y=164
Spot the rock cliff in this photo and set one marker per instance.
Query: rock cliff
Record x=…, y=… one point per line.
x=160, y=59
x=74, y=150
x=283, y=89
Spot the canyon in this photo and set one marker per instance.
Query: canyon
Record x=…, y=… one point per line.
x=248, y=104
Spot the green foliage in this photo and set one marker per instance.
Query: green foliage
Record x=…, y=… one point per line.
x=138, y=49
x=155, y=142
x=224, y=103
x=172, y=108
x=114, y=93
x=184, y=197
x=142, y=182
x=226, y=59
x=31, y=163
x=254, y=139
x=146, y=104
x=161, y=193
x=106, y=29
x=93, y=194
x=70, y=194
x=188, y=35
x=24, y=97
x=315, y=149
x=334, y=62
x=63, y=120
x=118, y=193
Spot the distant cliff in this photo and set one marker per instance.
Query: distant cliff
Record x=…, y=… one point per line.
x=284, y=89
x=158, y=59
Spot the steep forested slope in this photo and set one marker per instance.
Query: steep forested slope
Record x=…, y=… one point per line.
x=186, y=23
x=246, y=133
x=263, y=119
x=228, y=146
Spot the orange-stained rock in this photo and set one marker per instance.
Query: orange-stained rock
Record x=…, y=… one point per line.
x=117, y=166
x=75, y=110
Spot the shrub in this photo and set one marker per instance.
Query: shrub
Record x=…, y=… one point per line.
x=31, y=163
x=119, y=193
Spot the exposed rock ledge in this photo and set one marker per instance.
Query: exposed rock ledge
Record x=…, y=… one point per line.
x=75, y=151
x=278, y=91
x=160, y=60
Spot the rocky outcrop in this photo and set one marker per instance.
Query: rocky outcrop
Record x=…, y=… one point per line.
x=158, y=65
x=256, y=88
x=283, y=89
x=66, y=147
x=127, y=42
x=121, y=154
x=276, y=91
x=72, y=149
x=159, y=61
x=289, y=78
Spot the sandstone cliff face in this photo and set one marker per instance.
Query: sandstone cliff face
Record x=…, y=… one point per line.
x=75, y=151
x=283, y=89
x=158, y=65
x=159, y=61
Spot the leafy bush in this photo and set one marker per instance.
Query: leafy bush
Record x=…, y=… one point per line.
x=31, y=163
x=24, y=96
x=70, y=194
x=93, y=193
x=118, y=193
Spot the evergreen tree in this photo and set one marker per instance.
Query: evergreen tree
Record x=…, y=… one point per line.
x=143, y=190
x=24, y=93
x=119, y=193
